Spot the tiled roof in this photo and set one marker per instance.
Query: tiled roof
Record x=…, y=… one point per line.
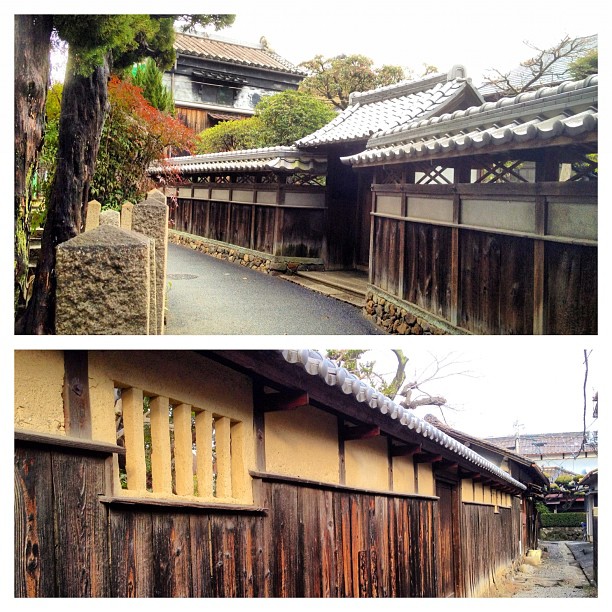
x=558, y=72
x=247, y=160
x=393, y=105
x=537, y=445
x=537, y=118
x=317, y=365
x=222, y=50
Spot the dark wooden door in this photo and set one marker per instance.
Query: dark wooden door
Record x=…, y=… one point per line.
x=364, y=220
x=447, y=539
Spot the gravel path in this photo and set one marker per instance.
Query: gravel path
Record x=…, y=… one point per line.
x=558, y=576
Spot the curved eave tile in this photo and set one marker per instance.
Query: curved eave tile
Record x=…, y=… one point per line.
x=316, y=365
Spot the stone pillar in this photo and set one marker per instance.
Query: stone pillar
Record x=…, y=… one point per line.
x=103, y=283
x=93, y=215
x=127, y=211
x=150, y=218
x=110, y=217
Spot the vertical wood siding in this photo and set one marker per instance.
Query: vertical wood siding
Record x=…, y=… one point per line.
x=311, y=542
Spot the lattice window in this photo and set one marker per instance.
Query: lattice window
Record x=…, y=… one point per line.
x=202, y=179
x=389, y=176
x=221, y=179
x=269, y=178
x=174, y=448
x=433, y=175
x=245, y=179
x=503, y=172
x=305, y=179
x=585, y=168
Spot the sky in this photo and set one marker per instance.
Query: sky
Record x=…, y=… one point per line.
x=477, y=34
x=494, y=387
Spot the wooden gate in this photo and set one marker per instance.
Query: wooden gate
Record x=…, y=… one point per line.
x=448, y=539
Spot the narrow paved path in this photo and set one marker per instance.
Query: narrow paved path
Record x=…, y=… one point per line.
x=558, y=576
x=214, y=297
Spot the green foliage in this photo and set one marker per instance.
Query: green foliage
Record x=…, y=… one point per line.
x=291, y=115
x=46, y=161
x=584, y=66
x=149, y=78
x=563, y=519
x=129, y=38
x=334, y=79
x=566, y=481
x=542, y=508
x=231, y=136
x=279, y=120
x=134, y=135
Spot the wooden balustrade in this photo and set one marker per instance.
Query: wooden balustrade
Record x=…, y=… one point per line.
x=175, y=449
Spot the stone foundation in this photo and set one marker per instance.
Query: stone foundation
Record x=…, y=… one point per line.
x=256, y=260
x=401, y=318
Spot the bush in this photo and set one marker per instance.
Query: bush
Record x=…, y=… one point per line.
x=563, y=519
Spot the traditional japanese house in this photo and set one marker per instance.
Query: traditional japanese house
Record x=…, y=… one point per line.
x=216, y=79
x=467, y=236
x=245, y=474
x=328, y=224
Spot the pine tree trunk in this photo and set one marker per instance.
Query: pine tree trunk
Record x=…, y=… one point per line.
x=32, y=68
x=84, y=107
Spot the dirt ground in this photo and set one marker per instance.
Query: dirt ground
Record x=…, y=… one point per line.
x=558, y=576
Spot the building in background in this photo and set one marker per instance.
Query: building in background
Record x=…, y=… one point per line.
x=215, y=79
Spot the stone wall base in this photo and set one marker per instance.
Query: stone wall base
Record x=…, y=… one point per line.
x=256, y=260
x=397, y=317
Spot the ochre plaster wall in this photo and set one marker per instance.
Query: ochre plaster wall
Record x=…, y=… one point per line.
x=427, y=485
x=39, y=382
x=467, y=490
x=403, y=475
x=184, y=378
x=366, y=463
x=303, y=443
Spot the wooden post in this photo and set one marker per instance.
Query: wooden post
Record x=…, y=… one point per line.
x=204, y=445
x=133, y=428
x=183, y=454
x=77, y=409
x=224, y=457
x=160, y=446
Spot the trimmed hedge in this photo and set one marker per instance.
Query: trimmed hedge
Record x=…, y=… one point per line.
x=563, y=519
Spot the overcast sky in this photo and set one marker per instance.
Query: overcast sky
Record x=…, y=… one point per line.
x=535, y=384
x=479, y=34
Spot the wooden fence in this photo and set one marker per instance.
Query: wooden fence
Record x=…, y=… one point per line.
x=301, y=540
x=490, y=258
x=277, y=219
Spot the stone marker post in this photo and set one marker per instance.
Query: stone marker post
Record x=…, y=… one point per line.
x=92, y=220
x=150, y=217
x=127, y=210
x=103, y=283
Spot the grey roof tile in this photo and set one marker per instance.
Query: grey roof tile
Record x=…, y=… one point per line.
x=569, y=110
x=388, y=107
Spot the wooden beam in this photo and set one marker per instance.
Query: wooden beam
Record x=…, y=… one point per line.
x=360, y=432
x=77, y=409
x=405, y=450
x=274, y=402
x=427, y=458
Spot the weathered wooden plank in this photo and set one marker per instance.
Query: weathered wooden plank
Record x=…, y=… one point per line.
x=33, y=511
x=172, y=555
x=201, y=557
x=82, y=562
x=132, y=560
x=77, y=411
x=223, y=553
